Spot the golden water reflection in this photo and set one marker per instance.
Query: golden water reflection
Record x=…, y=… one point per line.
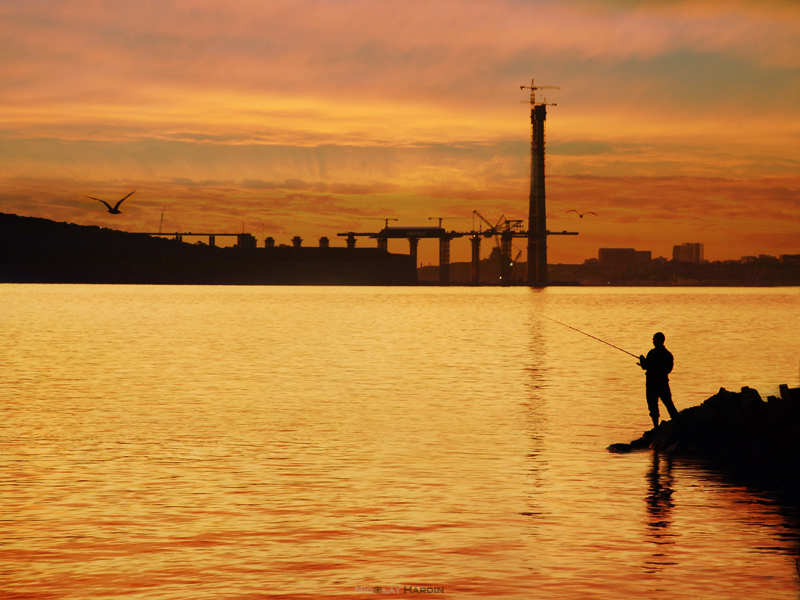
x=253, y=443
x=659, y=510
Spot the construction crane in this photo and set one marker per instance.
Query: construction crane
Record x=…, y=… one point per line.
x=440, y=219
x=515, y=225
x=385, y=221
x=493, y=229
x=533, y=87
x=503, y=232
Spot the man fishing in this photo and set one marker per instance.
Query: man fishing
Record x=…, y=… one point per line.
x=658, y=365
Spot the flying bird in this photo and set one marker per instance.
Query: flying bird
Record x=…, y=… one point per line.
x=581, y=214
x=115, y=210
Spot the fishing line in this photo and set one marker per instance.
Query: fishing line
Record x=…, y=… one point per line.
x=591, y=336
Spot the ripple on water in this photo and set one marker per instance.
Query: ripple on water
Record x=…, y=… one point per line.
x=299, y=442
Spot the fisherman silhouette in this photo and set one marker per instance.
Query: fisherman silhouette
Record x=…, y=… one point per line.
x=658, y=365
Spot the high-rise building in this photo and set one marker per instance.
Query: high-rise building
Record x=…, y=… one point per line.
x=691, y=253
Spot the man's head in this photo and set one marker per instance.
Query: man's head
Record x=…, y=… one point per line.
x=658, y=339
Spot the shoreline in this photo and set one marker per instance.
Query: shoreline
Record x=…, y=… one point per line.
x=741, y=434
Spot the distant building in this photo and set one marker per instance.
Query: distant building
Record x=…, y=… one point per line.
x=691, y=253
x=246, y=240
x=790, y=258
x=623, y=256
x=761, y=258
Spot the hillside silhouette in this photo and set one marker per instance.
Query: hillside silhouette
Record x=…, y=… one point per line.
x=34, y=250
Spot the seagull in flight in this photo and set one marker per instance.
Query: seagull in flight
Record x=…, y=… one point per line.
x=115, y=210
x=581, y=214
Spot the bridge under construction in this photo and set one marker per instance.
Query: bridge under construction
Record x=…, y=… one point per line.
x=504, y=230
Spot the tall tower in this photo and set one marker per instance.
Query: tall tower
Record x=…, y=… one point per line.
x=537, y=208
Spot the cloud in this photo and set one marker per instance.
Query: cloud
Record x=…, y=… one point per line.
x=288, y=184
x=357, y=51
x=309, y=114
x=732, y=217
x=650, y=198
x=654, y=213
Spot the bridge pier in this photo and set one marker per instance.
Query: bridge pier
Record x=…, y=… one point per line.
x=505, y=258
x=444, y=259
x=475, y=240
x=413, y=243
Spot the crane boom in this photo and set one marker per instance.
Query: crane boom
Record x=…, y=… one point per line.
x=533, y=87
x=492, y=228
x=384, y=219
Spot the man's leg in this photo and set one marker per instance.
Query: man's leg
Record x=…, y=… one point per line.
x=666, y=398
x=652, y=405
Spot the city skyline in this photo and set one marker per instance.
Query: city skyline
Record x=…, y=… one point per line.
x=676, y=122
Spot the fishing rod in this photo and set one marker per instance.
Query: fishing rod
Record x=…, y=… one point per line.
x=591, y=336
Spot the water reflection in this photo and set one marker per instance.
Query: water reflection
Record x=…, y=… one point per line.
x=298, y=442
x=659, y=505
x=536, y=417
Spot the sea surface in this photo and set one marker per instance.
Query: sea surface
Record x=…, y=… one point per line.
x=193, y=443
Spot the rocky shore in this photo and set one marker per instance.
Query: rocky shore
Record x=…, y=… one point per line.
x=737, y=432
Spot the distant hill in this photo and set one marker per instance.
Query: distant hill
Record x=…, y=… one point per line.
x=36, y=250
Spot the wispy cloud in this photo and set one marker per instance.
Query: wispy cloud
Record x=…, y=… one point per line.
x=312, y=114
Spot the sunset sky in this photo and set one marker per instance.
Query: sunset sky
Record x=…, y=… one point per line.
x=675, y=121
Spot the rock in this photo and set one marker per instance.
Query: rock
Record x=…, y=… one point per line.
x=666, y=435
x=736, y=430
x=642, y=443
x=717, y=399
x=620, y=448
x=788, y=394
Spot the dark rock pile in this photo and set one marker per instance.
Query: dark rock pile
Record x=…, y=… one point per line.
x=738, y=431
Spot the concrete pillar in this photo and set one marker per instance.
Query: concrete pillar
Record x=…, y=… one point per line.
x=383, y=243
x=506, y=241
x=537, y=208
x=212, y=241
x=324, y=242
x=444, y=259
x=475, y=240
x=413, y=243
x=351, y=240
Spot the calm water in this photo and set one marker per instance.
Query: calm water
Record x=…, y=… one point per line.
x=262, y=442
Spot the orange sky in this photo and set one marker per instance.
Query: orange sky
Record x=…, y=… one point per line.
x=676, y=121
